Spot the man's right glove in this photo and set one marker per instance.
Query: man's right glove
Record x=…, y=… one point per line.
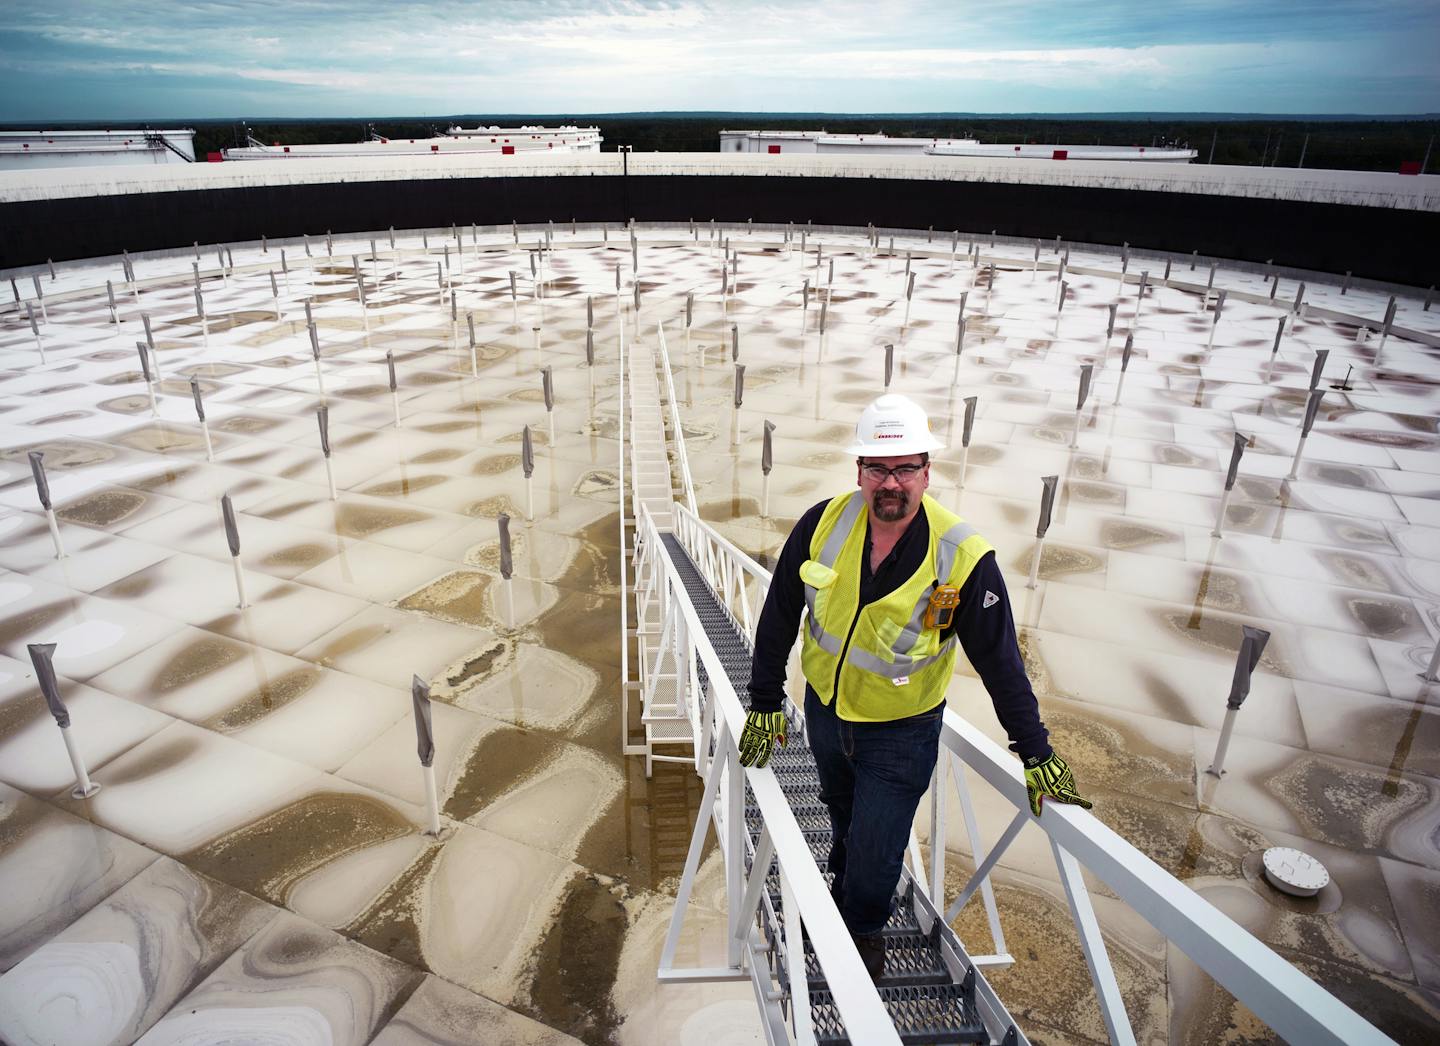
x=763, y=731
x=1051, y=777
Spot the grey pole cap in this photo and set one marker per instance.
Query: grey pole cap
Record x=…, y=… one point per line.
x=734, y=342
x=689, y=308
x=589, y=311
x=1320, y=356
x=589, y=347
x=889, y=363
x=739, y=384
x=195, y=395
x=309, y=314
x=1219, y=305
x=512, y=284
x=42, y=485
x=1299, y=298
x=144, y=361
x=1125, y=353
x=1110, y=326
x=507, y=563
x=617, y=277
x=439, y=275
x=284, y=265
x=1312, y=407
x=910, y=287
x=232, y=531
x=767, y=458
x=470, y=326
x=1389, y=317
x=1144, y=279
x=424, y=728
x=547, y=387
x=824, y=311
x=969, y=425
x=322, y=417
x=1086, y=373
x=110, y=293
x=532, y=265
x=274, y=287
x=1064, y=291
x=527, y=452
x=1279, y=333
x=1252, y=645
x=1047, y=503
x=390, y=365
x=1241, y=441
x=149, y=334
x=40, y=655
x=314, y=341
x=199, y=303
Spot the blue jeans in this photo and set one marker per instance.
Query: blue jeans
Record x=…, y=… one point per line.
x=872, y=776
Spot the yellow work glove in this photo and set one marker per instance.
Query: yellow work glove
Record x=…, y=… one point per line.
x=1051, y=777
x=763, y=731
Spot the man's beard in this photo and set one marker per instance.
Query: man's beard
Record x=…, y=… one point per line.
x=891, y=506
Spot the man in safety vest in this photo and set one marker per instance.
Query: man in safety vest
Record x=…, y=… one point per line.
x=892, y=583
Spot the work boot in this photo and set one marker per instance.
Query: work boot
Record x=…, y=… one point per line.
x=871, y=947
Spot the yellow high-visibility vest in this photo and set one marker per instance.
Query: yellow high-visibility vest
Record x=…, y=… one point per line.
x=892, y=665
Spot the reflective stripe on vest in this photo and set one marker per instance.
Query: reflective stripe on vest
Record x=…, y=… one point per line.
x=832, y=644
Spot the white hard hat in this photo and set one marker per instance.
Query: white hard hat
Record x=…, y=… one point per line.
x=893, y=426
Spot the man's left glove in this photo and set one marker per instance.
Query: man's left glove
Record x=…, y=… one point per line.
x=763, y=731
x=1051, y=777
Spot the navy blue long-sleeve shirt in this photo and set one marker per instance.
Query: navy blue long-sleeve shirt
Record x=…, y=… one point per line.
x=986, y=633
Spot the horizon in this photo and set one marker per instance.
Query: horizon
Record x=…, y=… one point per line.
x=42, y=123
x=85, y=61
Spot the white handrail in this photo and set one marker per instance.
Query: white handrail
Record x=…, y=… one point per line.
x=866, y=1019
x=680, y=456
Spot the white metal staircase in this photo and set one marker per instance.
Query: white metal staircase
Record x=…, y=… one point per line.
x=696, y=600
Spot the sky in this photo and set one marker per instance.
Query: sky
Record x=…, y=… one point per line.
x=124, y=59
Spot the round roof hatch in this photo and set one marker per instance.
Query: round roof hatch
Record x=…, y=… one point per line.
x=1294, y=872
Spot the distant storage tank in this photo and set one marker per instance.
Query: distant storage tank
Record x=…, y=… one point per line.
x=878, y=144
x=456, y=140
x=881, y=144
x=29, y=150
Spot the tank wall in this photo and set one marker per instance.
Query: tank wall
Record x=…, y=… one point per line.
x=1389, y=245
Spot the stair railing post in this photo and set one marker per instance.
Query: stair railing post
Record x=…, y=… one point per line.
x=937, y=823
x=734, y=850
x=977, y=851
x=1092, y=942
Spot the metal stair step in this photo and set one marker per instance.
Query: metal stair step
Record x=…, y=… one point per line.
x=910, y=959
x=923, y=1014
